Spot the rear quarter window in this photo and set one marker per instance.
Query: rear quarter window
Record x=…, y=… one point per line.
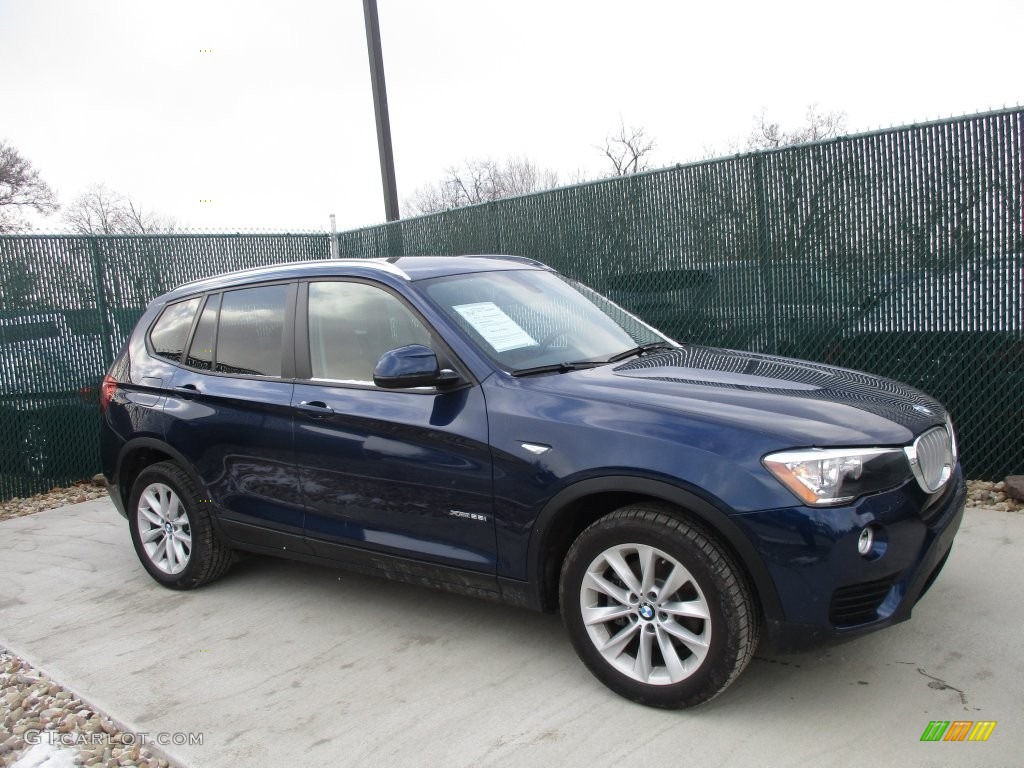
x=170, y=332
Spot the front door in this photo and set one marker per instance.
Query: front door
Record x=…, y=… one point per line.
x=402, y=472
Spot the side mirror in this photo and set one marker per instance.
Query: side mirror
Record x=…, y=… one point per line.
x=411, y=366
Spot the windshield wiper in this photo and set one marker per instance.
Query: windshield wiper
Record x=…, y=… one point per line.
x=579, y=365
x=640, y=350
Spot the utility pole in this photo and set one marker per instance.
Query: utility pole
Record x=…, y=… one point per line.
x=380, y=108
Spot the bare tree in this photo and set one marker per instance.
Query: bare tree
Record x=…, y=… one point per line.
x=628, y=150
x=102, y=211
x=145, y=222
x=480, y=181
x=21, y=191
x=818, y=127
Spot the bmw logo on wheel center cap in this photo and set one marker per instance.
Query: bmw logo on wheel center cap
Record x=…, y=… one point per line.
x=646, y=611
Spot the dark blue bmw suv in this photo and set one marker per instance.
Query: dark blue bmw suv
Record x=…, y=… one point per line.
x=486, y=425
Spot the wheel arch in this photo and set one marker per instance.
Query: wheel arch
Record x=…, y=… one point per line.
x=571, y=510
x=142, y=452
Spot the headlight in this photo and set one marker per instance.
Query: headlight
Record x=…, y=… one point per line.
x=820, y=477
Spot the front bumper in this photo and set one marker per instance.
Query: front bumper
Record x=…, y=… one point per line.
x=828, y=591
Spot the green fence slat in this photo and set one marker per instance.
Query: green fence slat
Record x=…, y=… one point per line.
x=898, y=252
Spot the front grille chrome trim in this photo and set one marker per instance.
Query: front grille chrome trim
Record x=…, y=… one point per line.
x=932, y=458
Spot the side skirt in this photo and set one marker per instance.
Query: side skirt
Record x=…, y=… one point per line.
x=250, y=538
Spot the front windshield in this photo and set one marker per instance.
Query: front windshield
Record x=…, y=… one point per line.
x=524, y=319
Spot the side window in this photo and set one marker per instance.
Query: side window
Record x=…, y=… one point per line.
x=249, y=337
x=352, y=324
x=200, y=354
x=171, y=330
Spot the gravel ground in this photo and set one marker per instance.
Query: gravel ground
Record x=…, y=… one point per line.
x=55, y=497
x=39, y=711
x=34, y=703
x=989, y=495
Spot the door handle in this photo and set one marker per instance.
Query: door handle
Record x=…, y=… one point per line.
x=315, y=408
x=187, y=389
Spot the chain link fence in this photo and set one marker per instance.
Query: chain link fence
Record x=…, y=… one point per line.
x=66, y=307
x=898, y=252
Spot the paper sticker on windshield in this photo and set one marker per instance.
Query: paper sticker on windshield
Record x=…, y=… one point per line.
x=498, y=329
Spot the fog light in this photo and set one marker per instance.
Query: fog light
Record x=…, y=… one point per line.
x=866, y=541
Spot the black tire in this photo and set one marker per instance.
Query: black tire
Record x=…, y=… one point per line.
x=164, y=493
x=35, y=446
x=720, y=624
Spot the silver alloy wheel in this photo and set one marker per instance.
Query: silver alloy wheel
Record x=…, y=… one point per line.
x=35, y=448
x=164, y=528
x=645, y=614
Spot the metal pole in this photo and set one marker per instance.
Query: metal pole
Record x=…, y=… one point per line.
x=765, y=252
x=106, y=342
x=334, y=237
x=380, y=108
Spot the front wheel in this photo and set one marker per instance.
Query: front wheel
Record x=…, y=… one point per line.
x=656, y=608
x=172, y=531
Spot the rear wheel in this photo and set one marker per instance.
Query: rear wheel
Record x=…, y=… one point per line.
x=656, y=608
x=35, y=448
x=172, y=531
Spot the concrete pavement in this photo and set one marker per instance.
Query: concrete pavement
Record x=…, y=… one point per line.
x=283, y=664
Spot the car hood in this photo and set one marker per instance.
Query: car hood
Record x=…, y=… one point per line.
x=803, y=403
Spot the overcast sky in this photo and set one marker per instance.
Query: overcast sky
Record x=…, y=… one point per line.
x=264, y=109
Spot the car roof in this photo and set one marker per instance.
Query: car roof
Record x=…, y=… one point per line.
x=403, y=267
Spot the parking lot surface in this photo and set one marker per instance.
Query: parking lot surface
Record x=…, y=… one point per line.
x=281, y=663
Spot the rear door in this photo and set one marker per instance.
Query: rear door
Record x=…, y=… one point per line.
x=230, y=408
x=402, y=472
